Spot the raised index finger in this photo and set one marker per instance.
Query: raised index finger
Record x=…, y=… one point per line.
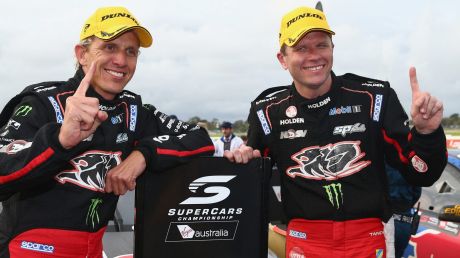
x=86, y=81
x=413, y=80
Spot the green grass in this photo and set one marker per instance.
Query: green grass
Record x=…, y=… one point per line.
x=454, y=132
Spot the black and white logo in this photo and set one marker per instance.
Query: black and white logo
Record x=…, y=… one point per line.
x=328, y=162
x=220, y=192
x=201, y=231
x=90, y=169
x=122, y=137
x=13, y=124
x=37, y=247
x=292, y=134
x=347, y=129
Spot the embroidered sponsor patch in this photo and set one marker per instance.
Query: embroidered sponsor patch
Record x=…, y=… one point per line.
x=297, y=234
x=296, y=252
x=419, y=164
x=37, y=247
x=291, y=111
x=377, y=107
x=263, y=122
x=132, y=117
x=57, y=110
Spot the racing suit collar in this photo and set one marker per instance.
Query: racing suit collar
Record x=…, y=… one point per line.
x=320, y=102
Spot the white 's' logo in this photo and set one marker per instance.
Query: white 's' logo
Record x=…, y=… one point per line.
x=221, y=192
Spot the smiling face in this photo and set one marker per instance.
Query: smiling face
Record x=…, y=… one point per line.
x=310, y=63
x=116, y=62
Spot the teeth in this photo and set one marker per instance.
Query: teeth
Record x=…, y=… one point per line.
x=117, y=74
x=314, y=68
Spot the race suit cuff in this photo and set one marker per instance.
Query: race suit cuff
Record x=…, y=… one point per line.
x=429, y=143
x=149, y=153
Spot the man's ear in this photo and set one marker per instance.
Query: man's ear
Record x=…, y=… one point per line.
x=80, y=54
x=281, y=58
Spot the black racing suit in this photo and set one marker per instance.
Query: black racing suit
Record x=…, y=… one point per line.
x=330, y=150
x=44, y=186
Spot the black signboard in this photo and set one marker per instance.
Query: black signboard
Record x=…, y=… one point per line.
x=209, y=207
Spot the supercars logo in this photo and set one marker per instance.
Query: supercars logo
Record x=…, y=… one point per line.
x=90, y=169
x=220, y=192
x=328, y=162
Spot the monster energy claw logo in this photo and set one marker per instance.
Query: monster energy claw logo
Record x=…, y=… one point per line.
x=335, y=194
x=23, y=110
x=93, y=213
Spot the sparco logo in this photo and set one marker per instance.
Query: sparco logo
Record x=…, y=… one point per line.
x=263, y=122
x=377, y=107
x=320, y=104
x=220, y=192
x=37, y=247
x=328, y=162
x=57, y=110
x=133, y=117
x=335, y=194
x=90, y=169
x=297, y=234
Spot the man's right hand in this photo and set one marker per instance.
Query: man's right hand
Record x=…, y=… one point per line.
x=242, y=155
x=82, y=115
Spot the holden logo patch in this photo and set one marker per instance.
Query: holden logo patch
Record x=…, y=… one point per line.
x=328, y=162
x=90, y=169
x=419, y=164
x=291, y=111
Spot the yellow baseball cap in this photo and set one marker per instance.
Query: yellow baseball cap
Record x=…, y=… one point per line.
x=299, y=22
x=108, y=23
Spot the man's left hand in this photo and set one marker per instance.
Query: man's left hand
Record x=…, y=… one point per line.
x=122, y=178
x=426, y=110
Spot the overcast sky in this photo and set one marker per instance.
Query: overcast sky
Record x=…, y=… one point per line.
x=210, y=58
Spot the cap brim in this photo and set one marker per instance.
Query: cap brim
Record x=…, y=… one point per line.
x=145, y=38
x=303, y=32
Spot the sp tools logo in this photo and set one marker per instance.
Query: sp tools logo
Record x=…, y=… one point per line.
x=220, y=192
x=328, y=162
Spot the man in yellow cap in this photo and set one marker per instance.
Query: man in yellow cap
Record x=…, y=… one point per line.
x=330, y=135
x=68, y=149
